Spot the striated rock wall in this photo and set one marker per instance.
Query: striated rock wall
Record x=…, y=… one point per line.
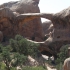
x=61, y=31
x=32, y=29
x=61, y=34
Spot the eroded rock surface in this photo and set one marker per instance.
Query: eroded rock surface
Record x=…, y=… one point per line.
x=47, y=27
x=66, y=65
x=10, y=27
x=13, y=22
x=61, y=30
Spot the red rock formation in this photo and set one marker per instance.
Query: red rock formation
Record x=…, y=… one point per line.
x=17, y=25
x=61, y=32
x=32, y=29
x=1, y=36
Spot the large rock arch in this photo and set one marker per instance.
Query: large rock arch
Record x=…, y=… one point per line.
x=61, y=31
x=58, y=37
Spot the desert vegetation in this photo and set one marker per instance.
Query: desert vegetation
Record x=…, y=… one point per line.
x=62, y=55
x=16, y=52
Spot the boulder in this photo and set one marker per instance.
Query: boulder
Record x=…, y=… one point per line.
x=26, y=6
x=66, y=65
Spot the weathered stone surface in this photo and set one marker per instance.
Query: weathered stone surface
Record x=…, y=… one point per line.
x=59, y=36
x=61, y=32
x=8, y=5
x=6, y=22
x=47, y=27
x=11, y=24
x=61, y=23
x=1, y=36
x=26, y=6
x=66, y=65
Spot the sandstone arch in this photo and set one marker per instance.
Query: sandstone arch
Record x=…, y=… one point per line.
x=61, y=31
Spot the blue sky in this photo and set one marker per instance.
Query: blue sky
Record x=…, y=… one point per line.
x=53, y=6
x=49, y=6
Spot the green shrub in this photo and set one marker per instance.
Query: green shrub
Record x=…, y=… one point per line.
x=2, y=66
x=63, y=54
x=21, y=45
x=33, y=68
x=12, y=68
x=15, y=54
x=59, y=66
x=19, y=60
x=6, y=57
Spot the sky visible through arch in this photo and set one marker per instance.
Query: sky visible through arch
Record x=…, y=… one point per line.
x=53, y=6
x=48, y=6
